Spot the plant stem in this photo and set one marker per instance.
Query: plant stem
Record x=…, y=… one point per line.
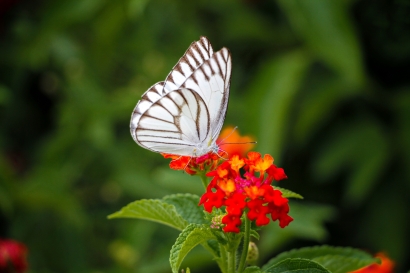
x=231, y=261
x=204, y=180
x=245, y=247
x=223, y=259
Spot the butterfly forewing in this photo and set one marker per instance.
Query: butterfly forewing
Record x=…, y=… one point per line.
x=211, y=81
x=194, y=57
x=184, y=114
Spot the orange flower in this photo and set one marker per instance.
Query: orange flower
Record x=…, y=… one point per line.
x=253, y=192
x=262, y=165
x=227, y=185
x=236, y=163
x=257, y=163
x=231, y=135
x=386, y=265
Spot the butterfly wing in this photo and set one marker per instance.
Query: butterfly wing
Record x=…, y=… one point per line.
x=211, y=81
x=174, y=124
x=198, y=86
x=197, y=53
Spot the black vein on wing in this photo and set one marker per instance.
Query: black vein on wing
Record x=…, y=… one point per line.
x=204, y=51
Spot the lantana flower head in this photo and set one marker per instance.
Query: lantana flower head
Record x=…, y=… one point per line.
x=244, y=185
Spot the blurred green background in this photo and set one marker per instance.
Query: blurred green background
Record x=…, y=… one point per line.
x=323, y=86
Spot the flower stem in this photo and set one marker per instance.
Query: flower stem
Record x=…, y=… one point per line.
x=223, y=259
x=245, y=247
x=204, y=180
x=231, y=261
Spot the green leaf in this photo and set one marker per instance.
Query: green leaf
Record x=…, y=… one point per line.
x=288, y=194
x=341, y=264
x=252, y=269
x=326, y=28
x=297, y=265
x=187, y=206
x=190, y=237
x=152, y=210
x=317, y=252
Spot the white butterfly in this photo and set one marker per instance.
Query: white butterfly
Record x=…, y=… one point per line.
x=184, y=114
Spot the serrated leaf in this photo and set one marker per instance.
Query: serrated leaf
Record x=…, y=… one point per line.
x=288, y=194
x=187, y=206
x=297, y=265
x=320, y=251
x=342, y=264
x=152, y=210
x=190, y=237
x=252, y=269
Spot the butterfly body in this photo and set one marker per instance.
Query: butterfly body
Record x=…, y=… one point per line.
x=184, y=114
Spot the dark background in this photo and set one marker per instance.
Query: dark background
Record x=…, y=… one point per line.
x=323, y=86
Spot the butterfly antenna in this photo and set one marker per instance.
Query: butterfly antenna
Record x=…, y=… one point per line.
x=233, y=130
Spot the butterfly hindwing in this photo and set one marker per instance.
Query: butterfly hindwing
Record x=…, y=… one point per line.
x=176, y=123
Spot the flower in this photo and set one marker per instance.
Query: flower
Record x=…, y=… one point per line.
x=386, y=265
x=209, y=161
x=12, y=256
x=230, y=136
x=240, y=184
x=194, y=165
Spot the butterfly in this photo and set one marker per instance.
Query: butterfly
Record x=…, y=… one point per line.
x=184, y=114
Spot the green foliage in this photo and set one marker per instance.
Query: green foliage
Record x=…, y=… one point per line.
x=297, y=265
x=190, y=237
x=153, y=210
x=252, y=269
x=317, y=22
x=289, y=194
x=187, y=206
x=335, y=259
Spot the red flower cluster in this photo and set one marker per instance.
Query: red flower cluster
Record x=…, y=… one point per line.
x=193, y=165
x=251, y=191
x=12, y=256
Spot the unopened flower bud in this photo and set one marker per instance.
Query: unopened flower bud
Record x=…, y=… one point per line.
x=216, y=222
x=253, y=253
